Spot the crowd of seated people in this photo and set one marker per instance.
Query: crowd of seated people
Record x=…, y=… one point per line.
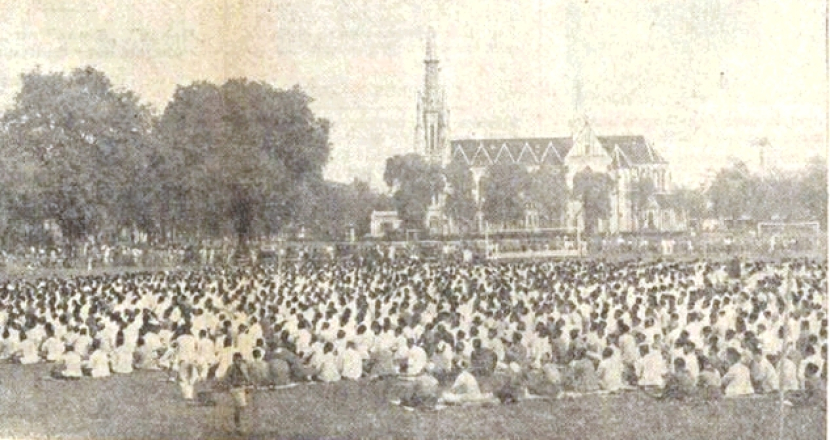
x=457, y=332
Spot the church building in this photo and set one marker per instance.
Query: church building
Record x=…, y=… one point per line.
x=626, y=159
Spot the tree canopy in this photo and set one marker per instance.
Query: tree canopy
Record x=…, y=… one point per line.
x=460, y=203
x=548, y=191
x=415, y=184
x=76, y=148
x=239, y=151
x=593, y=190
x=505, y=188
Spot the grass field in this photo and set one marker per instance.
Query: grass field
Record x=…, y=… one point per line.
x=143, y=405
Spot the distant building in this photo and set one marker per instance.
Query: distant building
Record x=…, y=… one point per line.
x=383, y=222
x=624, y=158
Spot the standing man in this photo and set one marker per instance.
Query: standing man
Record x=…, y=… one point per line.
x=238, y=381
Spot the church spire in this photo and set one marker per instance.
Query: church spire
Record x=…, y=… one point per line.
x=431, y=137
x=431, y=55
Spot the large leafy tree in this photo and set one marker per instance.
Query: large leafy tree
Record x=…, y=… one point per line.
x=690, y=201
x=593, y=190
x=329, y=209
x=733, y=192
x=505, y=191
x=813, y=190
x=460, y=204
x=237, y=154
x=76, y=147
x=642, y=189
x=415, y=185
x=548, y=190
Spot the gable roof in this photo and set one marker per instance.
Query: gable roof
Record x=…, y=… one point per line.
x=525, y=151
x=630, y=151
x=625, y=151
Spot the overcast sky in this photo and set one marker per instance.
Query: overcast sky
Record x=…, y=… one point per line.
x=701, y=79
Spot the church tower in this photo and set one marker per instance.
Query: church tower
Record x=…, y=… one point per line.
x=431, y=129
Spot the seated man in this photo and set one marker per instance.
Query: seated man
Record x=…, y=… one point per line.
x=258, y=370
x=482, y=360
x=27, y=350
x=327, y=365
x=737, y=380
x=709, y=381
x=679, y=385
x=583, y=377
x=465, y=390
x=423, y=393
x=98, y=362
x=815, y=389
x=651, y=369
x=382, y=363
x=350, y=363
x=144, y=356
x=610, y=371
x=513, y=388
x=763, y=374
x=546, y=381
x=279, y=369
x=416, y=360
x=69, y=365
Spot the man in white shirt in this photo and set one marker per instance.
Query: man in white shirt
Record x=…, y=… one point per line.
x=27, y=350
x=610, y=371
x=98, y=363
x=53, y=348
x=205, y=354
x=186, y=360
x=121, y=358
x=650, y=368
x=350, y=362
x=69, y=366
x=737, y=379
x=416, y=360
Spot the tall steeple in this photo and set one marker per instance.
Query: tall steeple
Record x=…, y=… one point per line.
x=431, y=129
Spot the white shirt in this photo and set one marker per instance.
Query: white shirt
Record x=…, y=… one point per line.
x=651, y=369
x=789, y=375
x=416, y=361
x=28, y=352
x=610, y=372
x=54, y=348
x=122, y=360
x=328, y=368
x=99, y=364
x=72, y=365
x=186, y=351
x=738, y=380
x=351, y=364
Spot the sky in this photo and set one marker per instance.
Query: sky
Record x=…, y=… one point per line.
x=703, y=80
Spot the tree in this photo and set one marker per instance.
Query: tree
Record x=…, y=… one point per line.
x=238, y=152
x=548, y=190
x=690, y=201
x=732, y=192
x=81, y=146
x=415, y=184
x=328, y=209
x=813, y=190
x=505, y=191
x=460, y=203
x=642, y=189
x=593, y=190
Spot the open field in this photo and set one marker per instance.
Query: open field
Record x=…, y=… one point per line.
x=143, y=405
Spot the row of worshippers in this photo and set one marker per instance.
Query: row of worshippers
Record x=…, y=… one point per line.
x=350, y=321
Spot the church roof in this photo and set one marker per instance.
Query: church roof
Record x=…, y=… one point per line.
x=630, y=151
x=626, y=151
x=525, y=151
